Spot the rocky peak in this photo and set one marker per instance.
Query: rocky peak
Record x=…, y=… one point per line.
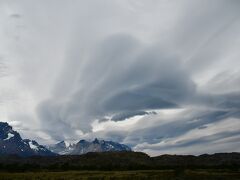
x=12, y=143
x=96, y=141
x=84, y=146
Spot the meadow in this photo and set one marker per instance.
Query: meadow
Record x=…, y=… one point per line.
x=186, y=174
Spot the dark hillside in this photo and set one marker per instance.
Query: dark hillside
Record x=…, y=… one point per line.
x=118, y=161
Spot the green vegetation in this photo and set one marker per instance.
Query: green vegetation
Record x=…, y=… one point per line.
x=151, y=174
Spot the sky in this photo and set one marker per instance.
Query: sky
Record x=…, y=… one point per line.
x=162, y=76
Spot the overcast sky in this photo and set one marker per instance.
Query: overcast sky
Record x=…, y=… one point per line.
x=162, y=76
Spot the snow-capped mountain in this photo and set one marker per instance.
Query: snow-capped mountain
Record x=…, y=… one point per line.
x=63, y=147
x=12, y=143
x=83, y=146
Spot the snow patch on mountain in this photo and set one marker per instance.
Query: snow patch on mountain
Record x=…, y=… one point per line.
x=10, y=135
x=83, y=146
x=33, y=146
x=12, y=143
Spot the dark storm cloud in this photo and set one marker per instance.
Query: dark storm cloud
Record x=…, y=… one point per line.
x=123, y=76
x=129, y=114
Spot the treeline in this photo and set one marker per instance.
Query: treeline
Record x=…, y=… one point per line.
x=118, y=161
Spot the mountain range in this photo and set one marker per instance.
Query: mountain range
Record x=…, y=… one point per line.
x=12, y=143
x=83, y=147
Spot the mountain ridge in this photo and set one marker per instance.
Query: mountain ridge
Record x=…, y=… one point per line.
x=84, y=146
x=12, y=143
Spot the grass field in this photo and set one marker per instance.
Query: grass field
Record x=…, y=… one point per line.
x=153, y=174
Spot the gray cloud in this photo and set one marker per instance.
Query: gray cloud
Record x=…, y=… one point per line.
x=176, y=128
x=15, y=16
x=100, y=71
x=122, y=77
x=129, y=114
x=3, y=68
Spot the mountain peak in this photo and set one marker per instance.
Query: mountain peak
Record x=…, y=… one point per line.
x=12, y=143
x=4, y=124
x=96, y=141
x=82, y=141
x=83, y=146
x=5, y=127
